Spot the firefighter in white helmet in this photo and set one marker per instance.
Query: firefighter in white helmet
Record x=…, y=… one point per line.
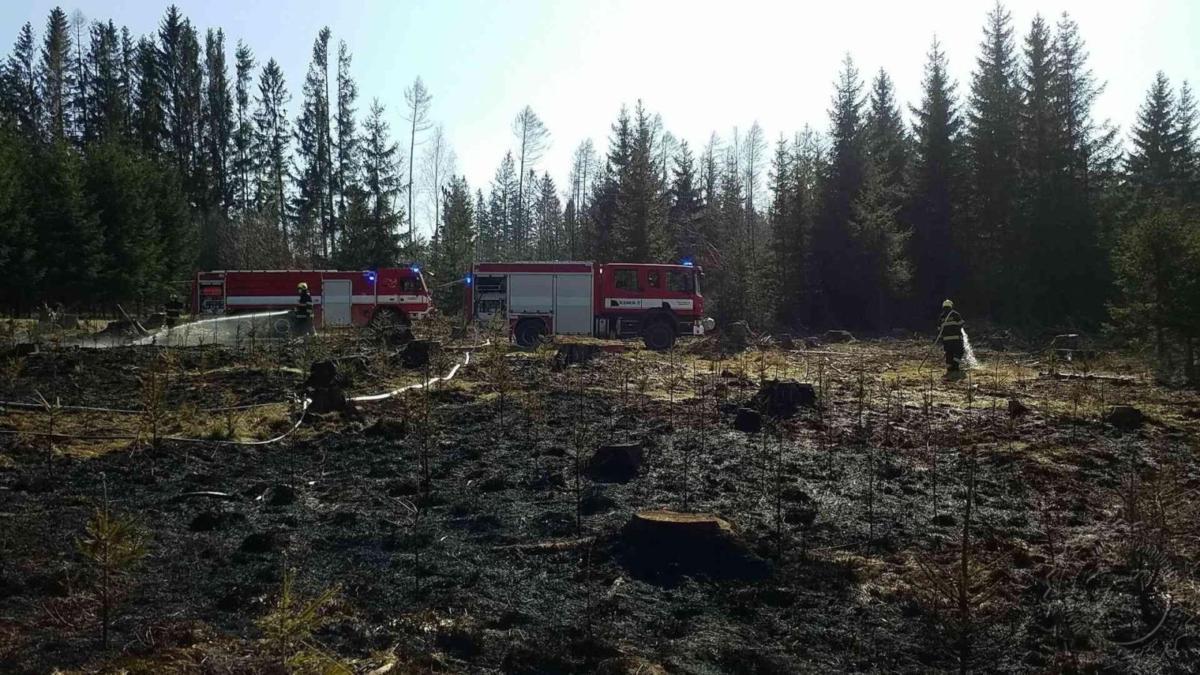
x=304, y=310
x=950, y=332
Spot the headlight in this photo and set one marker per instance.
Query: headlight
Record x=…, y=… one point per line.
x=709, y=323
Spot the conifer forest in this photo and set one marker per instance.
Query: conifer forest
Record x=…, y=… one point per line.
x=822, y=474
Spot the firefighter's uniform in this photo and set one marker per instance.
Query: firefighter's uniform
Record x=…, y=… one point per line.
x=950, y=332
x=304, y=311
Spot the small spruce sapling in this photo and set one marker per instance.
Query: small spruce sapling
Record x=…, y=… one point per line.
x=112, y=545
x=290, y=625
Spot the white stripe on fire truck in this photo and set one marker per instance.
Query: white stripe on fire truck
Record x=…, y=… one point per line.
x=647, y=303
x=355, y=299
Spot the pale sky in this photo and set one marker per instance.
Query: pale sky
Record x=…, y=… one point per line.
x=703, y=65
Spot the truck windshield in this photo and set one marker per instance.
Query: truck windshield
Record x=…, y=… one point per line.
x=681, y=281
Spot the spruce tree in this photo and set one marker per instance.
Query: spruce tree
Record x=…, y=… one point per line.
x=313, y=220
x=839, y=285
x=455, y=251
x=345, y=176
x=55, y=76
x=148, y=118
x=243, y=164
x=106, y=93
x=497, y=241
x=1187, y=126
x=998, y=264
x=887, y=141
x=22, y=95
x=183, y=98
x=547, y=221
x=598, y=231
x=271, y=136
x=20, y=270
x=381, y=184
x=1153, y=162
x=68, y=236
x=640, y=227
x=797, y=173
x=935, y=208
x=219, y=135
x=683, y=216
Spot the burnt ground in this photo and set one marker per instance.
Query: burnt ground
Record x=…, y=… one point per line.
x=848, y=519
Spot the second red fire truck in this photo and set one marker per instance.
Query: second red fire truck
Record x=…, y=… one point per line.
x=612, y=300
x=340, y=298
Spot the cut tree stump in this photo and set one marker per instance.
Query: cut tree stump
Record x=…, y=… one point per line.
x=574, y=353
x=663, y=525
x=1124, y=417
x=417, y=354
x=783, y=398
x=661, y=544
x=748, y=420
x=615, y=463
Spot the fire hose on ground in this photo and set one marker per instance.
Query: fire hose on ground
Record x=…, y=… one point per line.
x=184, y=439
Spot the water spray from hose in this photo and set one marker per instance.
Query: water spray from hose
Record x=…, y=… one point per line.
x=969, y=359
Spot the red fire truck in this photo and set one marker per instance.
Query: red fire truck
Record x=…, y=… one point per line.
x=340, y=298
x=612, y=300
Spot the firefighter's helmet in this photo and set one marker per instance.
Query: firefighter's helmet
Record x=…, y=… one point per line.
x=946, y=304
x=302, y=286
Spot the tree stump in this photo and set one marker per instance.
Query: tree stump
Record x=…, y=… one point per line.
x=1124, y=417
x=783, y=398
x=418, y=353
x=616, y=463
x=662, y=543
x=571, y=354
x=748, y=420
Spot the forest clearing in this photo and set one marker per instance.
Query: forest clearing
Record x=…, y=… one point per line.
x=531, y=514
x=623, y=337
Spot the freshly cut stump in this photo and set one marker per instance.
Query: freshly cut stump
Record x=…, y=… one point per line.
x=662, y=525
x=663, y=545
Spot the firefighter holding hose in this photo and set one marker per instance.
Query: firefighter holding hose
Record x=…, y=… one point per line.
x=304, y=311
x=950, y=333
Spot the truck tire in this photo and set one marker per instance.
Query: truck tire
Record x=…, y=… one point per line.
x=528, y=333
x=659, y=336
x=386, y=316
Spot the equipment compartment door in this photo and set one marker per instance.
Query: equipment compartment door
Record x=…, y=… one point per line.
x=573, y=304
x=530, y=293
x=335, y=301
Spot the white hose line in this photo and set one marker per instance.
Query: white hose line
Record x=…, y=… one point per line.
x=280, y=437
x=299, y=420
x=420, y=385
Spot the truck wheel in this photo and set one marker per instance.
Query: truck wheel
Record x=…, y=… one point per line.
x=659, y=336
x=529, y=333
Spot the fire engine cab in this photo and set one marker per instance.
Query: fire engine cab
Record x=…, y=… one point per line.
x=340, y=298
x=612, y=300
